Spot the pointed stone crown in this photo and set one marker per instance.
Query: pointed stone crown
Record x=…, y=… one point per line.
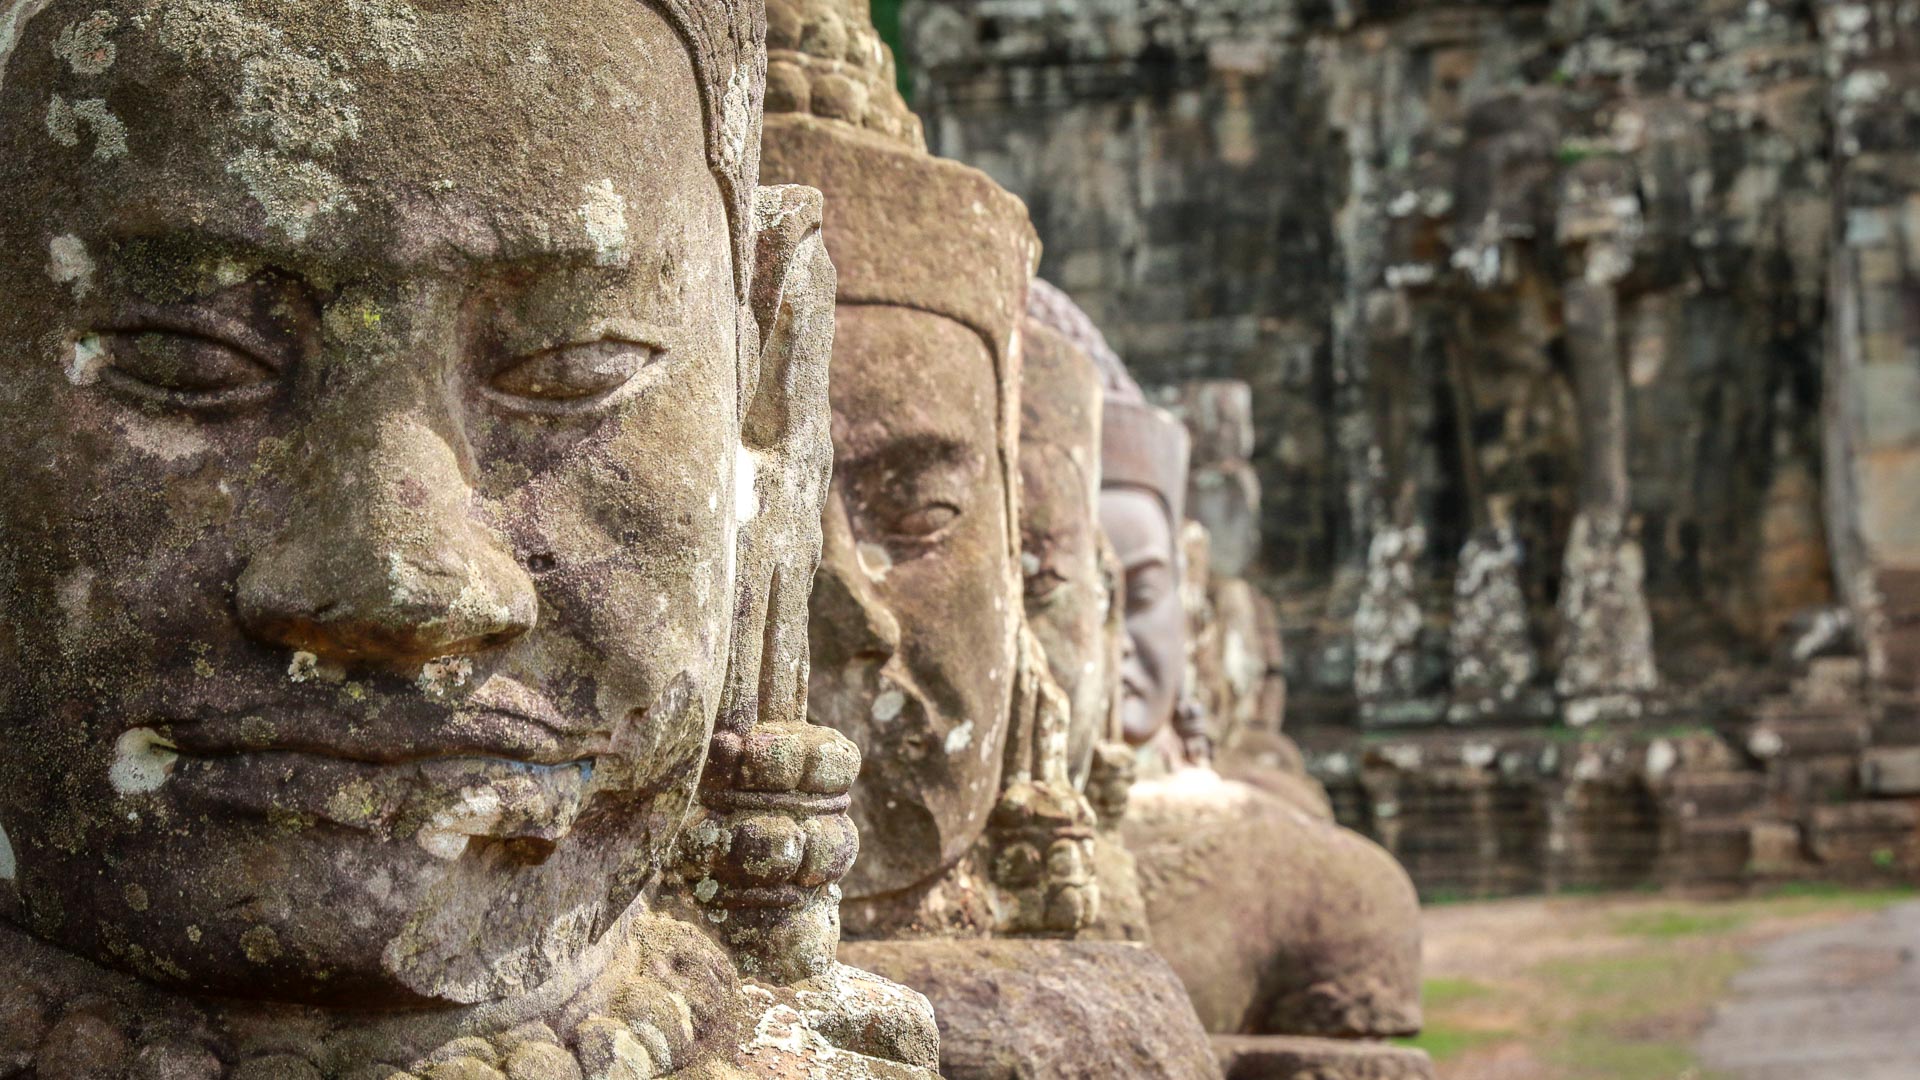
x=825, y=59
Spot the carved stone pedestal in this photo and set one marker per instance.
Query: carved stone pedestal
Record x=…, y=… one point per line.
x=1049, y=1010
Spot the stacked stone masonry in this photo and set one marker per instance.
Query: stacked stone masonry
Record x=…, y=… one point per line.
x=1583, y=345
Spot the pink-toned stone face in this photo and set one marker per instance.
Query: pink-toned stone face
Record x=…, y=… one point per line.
x=367, y=566
x=912, y=614
x=1136, y=523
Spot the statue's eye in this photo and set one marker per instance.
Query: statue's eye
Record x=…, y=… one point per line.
x=183, y=369
x=573, y=376
x=1043, y=583
x=925, y=521
x=1146, y=586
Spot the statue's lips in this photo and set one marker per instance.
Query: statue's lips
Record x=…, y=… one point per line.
x=436, y=802
x=401, y=734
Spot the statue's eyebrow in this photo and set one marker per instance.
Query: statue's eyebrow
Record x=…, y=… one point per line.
x=922, y=450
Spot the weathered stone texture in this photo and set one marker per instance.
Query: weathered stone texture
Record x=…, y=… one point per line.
x=1045, y=1010
x=1581, y=339
x=1386, y=218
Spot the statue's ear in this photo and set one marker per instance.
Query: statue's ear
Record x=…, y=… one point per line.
x=786, y=455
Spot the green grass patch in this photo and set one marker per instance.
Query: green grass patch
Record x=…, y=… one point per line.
x=1444, y=1041
x=1444, y=993
x=1678, y=922
x=1591, y=1057
x=1843, y=896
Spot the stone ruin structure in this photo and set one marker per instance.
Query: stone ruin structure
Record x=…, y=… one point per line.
x=1297, y=940
x=1580, y=339
x=418, y=441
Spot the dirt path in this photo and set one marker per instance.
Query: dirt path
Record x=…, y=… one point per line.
x=1838, y=1003
x=1626, y=987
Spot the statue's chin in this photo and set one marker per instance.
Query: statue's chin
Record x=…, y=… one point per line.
x=332, y=917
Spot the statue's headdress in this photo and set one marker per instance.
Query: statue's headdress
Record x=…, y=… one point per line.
x=905, y=228
x=1142, y=445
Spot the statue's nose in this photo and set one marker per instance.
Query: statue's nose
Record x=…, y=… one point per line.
x=846, y=616
x=386, y=564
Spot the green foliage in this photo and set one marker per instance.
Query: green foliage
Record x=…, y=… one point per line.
x=886, y=19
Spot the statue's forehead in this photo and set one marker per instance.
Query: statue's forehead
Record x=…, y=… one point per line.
x=901, y=372
x=501, y=122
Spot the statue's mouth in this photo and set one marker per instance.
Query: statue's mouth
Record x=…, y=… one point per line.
x=438, y=803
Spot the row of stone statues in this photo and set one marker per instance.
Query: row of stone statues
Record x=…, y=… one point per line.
x=454, y=627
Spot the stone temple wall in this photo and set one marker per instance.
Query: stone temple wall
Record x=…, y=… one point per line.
x=1584, y=339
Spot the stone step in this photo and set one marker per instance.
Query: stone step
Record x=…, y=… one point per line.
x=1294, y=1057
x=1714, y=794
x=1803, y=733
x=1893, y=771
x=1882, y=833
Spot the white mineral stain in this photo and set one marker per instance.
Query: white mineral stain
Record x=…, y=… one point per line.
x=604, y=215
x=293, y=193
x=69, y=264
x=142, y=761
x=1661, y=758
x=440, y=678
x=169, y=439
x=874, y=559
x=476, y=606
x=736, y=115
x=9, y=869
x=888, y=705
x=84, y=45
x=89, y=356
x=303, y=667
x=61, y=123
x=109, y=134
x=746, y=495
x=445, y=836
x=960, y=738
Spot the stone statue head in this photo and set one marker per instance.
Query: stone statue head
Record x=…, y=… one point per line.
x=916, y=607
x=416, y=441
x=1068, y=594
x=1143, y=463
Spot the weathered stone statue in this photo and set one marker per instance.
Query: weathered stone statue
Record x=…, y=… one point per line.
x=416, y=448
x=916, y=628
x=1063, y=554
x=1278, y=921
x=1072, y=601
x=977, y=849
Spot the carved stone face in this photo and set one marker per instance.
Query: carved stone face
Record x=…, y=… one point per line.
x=1136, y=523
x=1067, y=594
x=912, y=621
x=373, y=416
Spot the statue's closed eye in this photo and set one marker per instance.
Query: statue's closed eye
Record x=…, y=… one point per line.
x=925, y=521
x=185, y=369
x=1146, y=585
x=572, y=376
x=1044, y=583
